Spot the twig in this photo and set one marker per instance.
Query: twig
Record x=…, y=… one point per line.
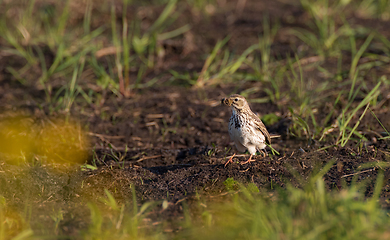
x=104, y=136
x=146, y=158
x=237, y=155
x=347, y=175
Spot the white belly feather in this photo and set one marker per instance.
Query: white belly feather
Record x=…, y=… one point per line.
x=245, y=135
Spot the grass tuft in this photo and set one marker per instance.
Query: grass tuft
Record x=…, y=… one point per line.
x=311, y=212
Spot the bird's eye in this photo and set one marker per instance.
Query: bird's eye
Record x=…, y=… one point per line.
x=236, y=99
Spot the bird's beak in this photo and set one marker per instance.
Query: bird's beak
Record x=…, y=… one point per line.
x=226, y=101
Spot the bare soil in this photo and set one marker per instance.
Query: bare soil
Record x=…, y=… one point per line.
x=172, y=140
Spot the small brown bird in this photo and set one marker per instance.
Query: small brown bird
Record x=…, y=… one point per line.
x=245, y=128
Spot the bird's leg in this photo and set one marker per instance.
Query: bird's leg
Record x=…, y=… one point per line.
x=230, y=160
x=264, y=152
x=248, y=161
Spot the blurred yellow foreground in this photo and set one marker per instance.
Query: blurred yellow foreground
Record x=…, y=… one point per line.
x=23, y=138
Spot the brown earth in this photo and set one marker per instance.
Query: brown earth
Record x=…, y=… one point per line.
x=172, y=140
x=185, y=156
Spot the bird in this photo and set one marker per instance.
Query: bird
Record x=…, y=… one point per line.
x=246, y=129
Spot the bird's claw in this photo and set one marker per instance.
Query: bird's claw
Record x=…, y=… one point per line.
x=230, y=160
x=248, y=161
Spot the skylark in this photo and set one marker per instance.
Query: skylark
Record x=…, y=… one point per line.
x=245, y=128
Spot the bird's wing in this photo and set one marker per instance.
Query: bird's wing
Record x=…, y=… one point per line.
x=261, y=127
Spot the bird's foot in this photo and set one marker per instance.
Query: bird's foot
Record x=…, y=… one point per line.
x=248, y=161
x=230, y=160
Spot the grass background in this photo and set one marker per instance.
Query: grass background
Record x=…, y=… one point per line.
x=78, y=54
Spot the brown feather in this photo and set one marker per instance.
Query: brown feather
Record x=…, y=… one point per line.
x=261, y=127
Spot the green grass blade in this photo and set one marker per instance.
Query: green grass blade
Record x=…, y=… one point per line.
x=359, y=54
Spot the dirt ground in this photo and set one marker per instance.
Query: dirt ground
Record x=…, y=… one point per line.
x=185, y=156
x=172, y=140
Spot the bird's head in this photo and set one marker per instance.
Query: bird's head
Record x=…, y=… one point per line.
x=235, y=101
